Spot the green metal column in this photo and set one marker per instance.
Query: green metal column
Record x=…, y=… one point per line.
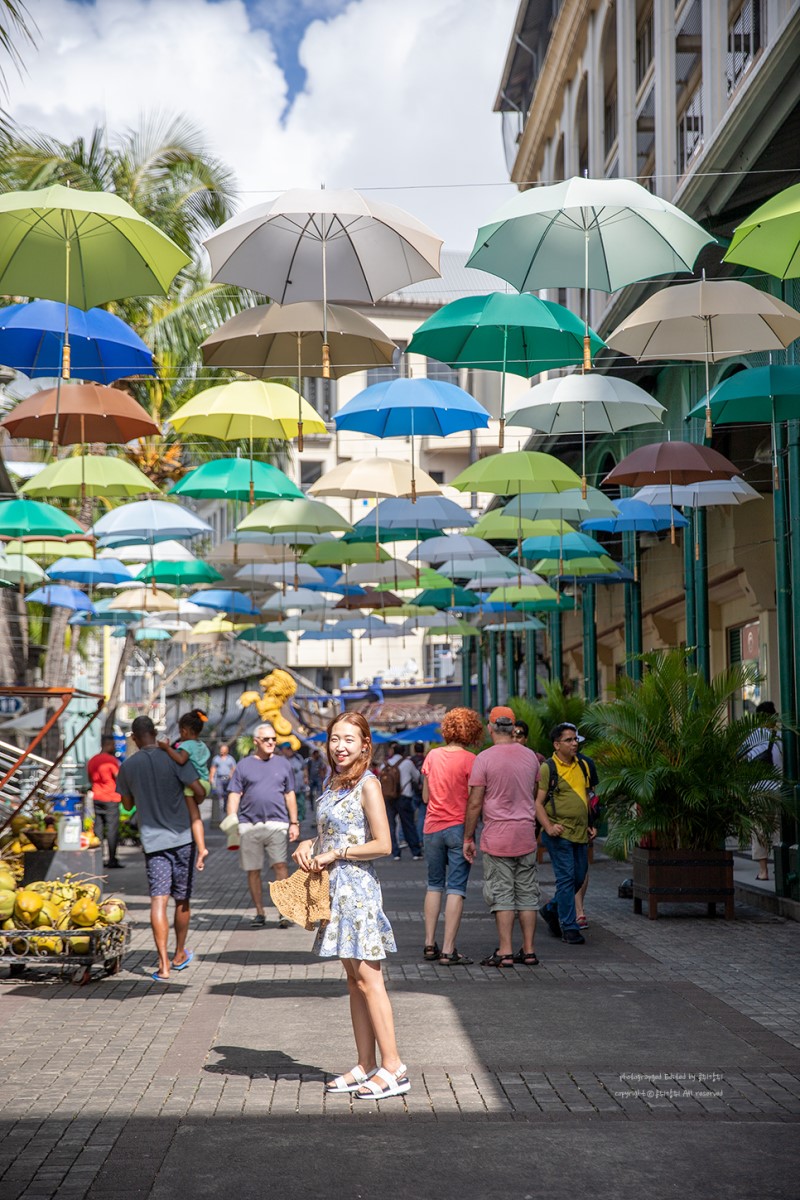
x=701, y=594
x=636, y=630
x=508, y=662
x=480, y=696
x=589, y=643
x=689, y=585
x=783, y=607
x=492, y=669
x=556, y=647
x=793, y=467
x=530, y=663
x=466, y=672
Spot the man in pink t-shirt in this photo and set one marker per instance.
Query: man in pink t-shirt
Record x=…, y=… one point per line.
x=502, y=788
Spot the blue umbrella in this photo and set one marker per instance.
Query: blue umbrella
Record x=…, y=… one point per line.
x=621, y=575
x=637, y=517
x=333, y=634
x=225, y=600
x=103, y=348
x=334, y=581
x=422, y=733
x=429, y=516
x=97, y=620
x=147, y=521
x=90, y=570
x=409, y=408
x=562, y=545
x=58, y=596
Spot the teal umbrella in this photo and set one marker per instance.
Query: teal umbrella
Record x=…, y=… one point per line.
x=237, y=479
x=32, y=518
x=504, y=332
x=452, y=597
x=180, y=574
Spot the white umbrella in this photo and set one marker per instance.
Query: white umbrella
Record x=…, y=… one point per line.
x=301, y=598
x=453, y=545
x=169, y=551
x=707, y=494
x=569, y=505
x=276, y=574
x=500, y=579
x=392, y=572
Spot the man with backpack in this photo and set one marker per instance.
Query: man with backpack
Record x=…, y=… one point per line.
x=567, y=814
x=396, y=781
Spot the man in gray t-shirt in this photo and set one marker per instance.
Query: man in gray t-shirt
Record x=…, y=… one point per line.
x=166, y=796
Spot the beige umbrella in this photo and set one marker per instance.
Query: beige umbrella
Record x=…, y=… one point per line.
x=706, y=321
x=143, y=599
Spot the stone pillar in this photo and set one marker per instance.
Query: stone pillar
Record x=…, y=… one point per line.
x=665, y=85
x=715, y=50
x=594, y=97
x=626, y=87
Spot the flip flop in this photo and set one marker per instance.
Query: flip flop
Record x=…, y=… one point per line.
x=159, y=978
x=182, y=966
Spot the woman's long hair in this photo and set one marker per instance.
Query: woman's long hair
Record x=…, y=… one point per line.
x=348, y=779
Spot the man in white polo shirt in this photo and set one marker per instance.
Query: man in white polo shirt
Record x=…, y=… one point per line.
x=262, y=795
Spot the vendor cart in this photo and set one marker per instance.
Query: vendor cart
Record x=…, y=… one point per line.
x=107, y=946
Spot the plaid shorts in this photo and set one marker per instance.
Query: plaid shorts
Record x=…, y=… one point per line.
x=170, y=872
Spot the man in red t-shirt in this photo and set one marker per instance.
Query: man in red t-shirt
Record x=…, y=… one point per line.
x=103, y=770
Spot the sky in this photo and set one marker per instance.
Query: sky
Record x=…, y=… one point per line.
x=393, y=97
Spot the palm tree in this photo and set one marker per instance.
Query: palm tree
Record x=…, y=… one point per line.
x=17, y=27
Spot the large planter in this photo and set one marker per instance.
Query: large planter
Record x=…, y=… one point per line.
x=682, y=877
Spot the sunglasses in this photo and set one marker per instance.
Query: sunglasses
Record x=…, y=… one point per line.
x=266, y=739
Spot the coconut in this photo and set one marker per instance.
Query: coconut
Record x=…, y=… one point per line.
x=112, y=911
x=7, y=900
x=84, y=914
x=49, y=916
x=7, y=881
x=27, y=906
x=89, y=891
x=9, y=923
x=47, y=945
x=79, y=945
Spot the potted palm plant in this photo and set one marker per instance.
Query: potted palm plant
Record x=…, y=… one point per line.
x=676, y=779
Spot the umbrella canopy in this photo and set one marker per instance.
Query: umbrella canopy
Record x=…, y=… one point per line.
x=179, y=574
x=530, y=595
x=758, y=395
x=596, y=565
x=497, y=579
x=103, y=348
x=454, y=545
x=236, y=479
x=283, y=516
x=569, y=505
x=86, y=412
x=596, y=233
x=497, y=526
x=58, y=596
x=97, y=620
x=671, y=463
x=429, y=515
x=371, y=626
x=526, y=625
x=455, y=568
x=281, y=573
x=88, y=475
x=151, y=520
x=90, y=570
x=21, y=569
x=428, y=578
x=167, y=551
x=50, y=548
x=443, y=625
x=370, y=598
x=637, y=517
x=448, y=597
x=368, y=478
x=334, y=554
x=225, y=600
x=258, y=633
x=331, y=633
x=143, y=599
x=30, y=518
x=247, y=409
x=568, y=546
x=412, y=407
x=769, y=240
x=274, y=340
x=706, y=494
x=292, y=598
x=337, y=244
x=81, y=247
x=392, y=571
x=512, y=474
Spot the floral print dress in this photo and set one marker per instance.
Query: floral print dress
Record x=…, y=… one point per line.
x=358, y=927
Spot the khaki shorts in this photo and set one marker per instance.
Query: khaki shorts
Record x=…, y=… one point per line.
x=272, y=836
x=511, y=884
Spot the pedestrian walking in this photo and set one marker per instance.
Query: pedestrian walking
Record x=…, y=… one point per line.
x=316, y=776
x=562, y=810
x=262, y=795
x=353, y=832
x=220, y=772
x=397, y=784
x=502, y=788
x=102, y=770
x=446, y=772
x=189, y=747
x=766, y=744
x=298, y=766
x=418, y=758
x=172, y=837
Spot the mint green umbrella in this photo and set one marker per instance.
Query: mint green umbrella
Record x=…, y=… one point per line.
x=29, y=518
x=180, y=574
x=237, y=479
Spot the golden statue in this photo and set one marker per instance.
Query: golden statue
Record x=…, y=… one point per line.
x=277, y=688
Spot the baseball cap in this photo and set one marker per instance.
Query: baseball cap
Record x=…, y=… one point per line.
x=500, y=715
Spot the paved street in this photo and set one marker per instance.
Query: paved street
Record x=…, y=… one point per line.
x=662, y=1054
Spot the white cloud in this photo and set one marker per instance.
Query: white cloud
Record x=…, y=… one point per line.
x=398, y=97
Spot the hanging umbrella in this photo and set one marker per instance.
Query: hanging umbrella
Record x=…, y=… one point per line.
x=454, y=568
x=502, y=332
x=402, y=520
x=280, y=574
x=236, y=479
x=391, y=571
x=370, y=598
x=428, y=578
x=371, y=478
x=588, y=233
x=455, y=545
x=167, y=551
x=526, y=625
x=409, y=408
x=292, y=598
x=284, y=516
x=635, y=516
x=271, y=340
x=30, y=518
x=333, y=633
x=334, y=554
x=259, y=634
x=84, y=412
x=499, y=527
x=103, y=348
x=91, y=571
x=374, y=627
x=413, y=610
x=499, y=578
x=148, y=520
x=705, y=494
x=143, y=599
x=706, y=322
x=515, y=473
x=58, y=596
x=50, y=548
x=88, y=475
x=225, y=600
x=578, y=565
x=181, y=574
x=569, y=505
x=20, y=569
x=150, y=633
x=564, y=546
x=448, y=597
x=444, y=625
x=527, y=594
x=311, y=245
x=769, y=239
x=99, y=620
x=586, y=403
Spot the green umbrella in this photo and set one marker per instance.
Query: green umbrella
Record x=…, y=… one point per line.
x=769, y=240
x=51, y=547
x=516, y=473
x=561, y=603
x=334, y=554
x=504, y=332
x=448, y=597
x=285, y=516
x=496, y=526
x=530, y=593
x=237, y=479
x=21, y=569
x=587, y=565
x=454, y=626
x=29, y=518
x=88, y=475
x=180, y=574
x=569, y=505
x=257, y=633
x=427, y=578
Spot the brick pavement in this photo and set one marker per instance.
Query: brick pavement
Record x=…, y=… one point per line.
x=115, y=1088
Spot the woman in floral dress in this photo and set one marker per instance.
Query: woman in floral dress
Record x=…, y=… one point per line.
x=354, y=830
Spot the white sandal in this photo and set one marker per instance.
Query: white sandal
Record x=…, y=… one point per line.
x=340, y=1086
x=396, y=1084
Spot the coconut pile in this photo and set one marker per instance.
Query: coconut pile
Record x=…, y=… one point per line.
x=42, y=912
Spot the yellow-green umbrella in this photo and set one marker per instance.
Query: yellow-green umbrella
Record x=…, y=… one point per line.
x=49, y=549
x=247, y=408
x=88, y=475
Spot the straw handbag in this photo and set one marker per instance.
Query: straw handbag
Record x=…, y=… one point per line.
x=305, y=897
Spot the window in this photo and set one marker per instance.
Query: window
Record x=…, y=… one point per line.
x=744, y=40
x=644, y=48
x=321, y=395
x=310, y=471
x=398, y=369
x=744, y=646
x=437, y=477
x=690, y=130
x=441, y=371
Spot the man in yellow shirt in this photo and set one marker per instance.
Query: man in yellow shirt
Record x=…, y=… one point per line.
x=562, y=811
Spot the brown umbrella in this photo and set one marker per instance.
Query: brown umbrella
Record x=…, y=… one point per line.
x=673, y=464
x=86, y=412
x=370, y=598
